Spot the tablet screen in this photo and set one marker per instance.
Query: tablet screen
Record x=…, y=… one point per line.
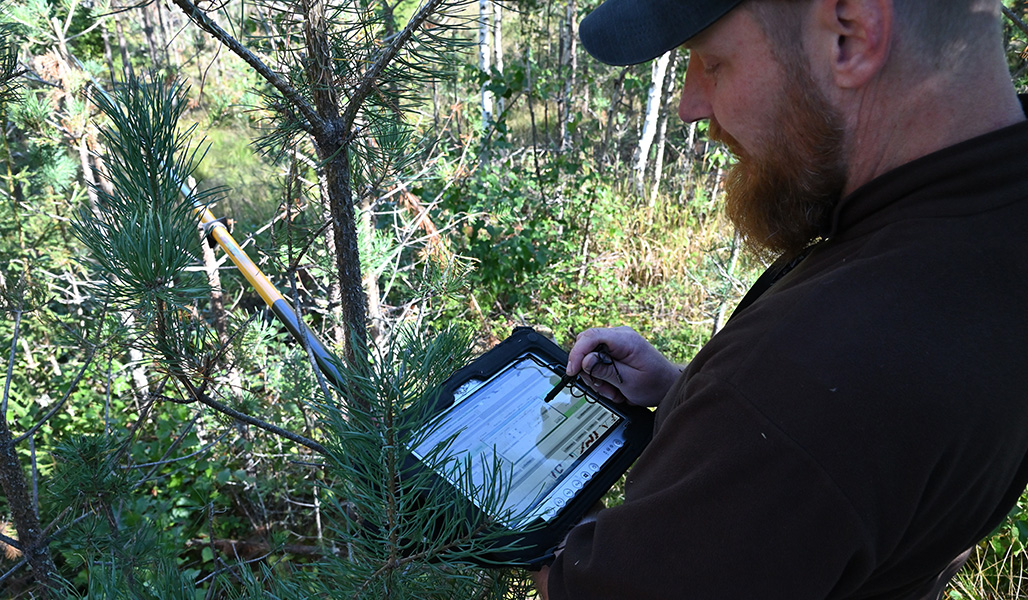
x=539, y=447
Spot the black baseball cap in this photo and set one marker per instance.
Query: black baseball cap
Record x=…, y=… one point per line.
x=629, y=32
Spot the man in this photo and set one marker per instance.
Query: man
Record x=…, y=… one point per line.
x=863, y=417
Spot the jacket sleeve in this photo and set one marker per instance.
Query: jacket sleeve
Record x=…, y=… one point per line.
x=722, y=504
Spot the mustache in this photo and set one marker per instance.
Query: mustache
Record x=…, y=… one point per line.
x=717, y=133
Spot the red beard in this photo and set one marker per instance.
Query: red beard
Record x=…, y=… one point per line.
x=781, y=195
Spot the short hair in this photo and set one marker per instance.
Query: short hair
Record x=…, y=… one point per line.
x=934, y=33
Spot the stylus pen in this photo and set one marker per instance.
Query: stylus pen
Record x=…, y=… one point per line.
x=563, y=383
x=603, y=352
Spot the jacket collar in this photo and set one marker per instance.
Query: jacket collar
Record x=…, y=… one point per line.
x=941, y=182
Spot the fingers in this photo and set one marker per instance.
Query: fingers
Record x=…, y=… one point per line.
x=603, y=388
x=585, y=344
x=621, y=365
x=606, y=388
x=600, y=366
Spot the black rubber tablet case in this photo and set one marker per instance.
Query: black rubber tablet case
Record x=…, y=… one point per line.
x=537, y=544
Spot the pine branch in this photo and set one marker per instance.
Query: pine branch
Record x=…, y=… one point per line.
x=370, y=78
x=423, y=556
x=1015, y=19
x=10, y=366
x=67, y=394
x=206, y=400
x=6, y=541
x=314, y=122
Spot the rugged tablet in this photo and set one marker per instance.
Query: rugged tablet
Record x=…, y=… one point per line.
x=553, y=460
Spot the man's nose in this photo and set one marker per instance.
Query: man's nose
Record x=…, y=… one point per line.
x=695, y=102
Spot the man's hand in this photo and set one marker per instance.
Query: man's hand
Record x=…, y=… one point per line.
x=541, y=586
x=641, y=374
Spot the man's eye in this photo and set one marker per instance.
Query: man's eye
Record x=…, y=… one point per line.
x=711, y=68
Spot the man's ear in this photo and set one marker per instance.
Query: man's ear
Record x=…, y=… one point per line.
x=858, y=36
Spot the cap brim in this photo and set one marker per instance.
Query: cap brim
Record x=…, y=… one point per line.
x=629, y=32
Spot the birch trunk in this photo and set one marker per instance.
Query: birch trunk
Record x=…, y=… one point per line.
x=649, y=130
x=569, y=66
x=108, y=56
x=485, y=54
x=658, y=159
x=496, y=29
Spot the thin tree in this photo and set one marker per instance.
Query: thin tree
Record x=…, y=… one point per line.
x=345, y=96
x=654, y=105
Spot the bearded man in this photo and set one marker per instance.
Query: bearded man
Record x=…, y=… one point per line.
x=862, y=419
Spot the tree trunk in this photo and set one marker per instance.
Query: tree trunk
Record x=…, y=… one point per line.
x=336, y=165
x=335, y=293
x=148, y=29
x=666, y=111
x=334, y=159
x=485, y=54
x=26, y=523
x=162, y=34
x=126, y=64
x=376, y=321
x=649, y=130
x=87, y=169
x=108, y=56
x=16, y=491
x=608, y=131
x=496, y=29
x=531, y=117
x=568, y=67
x=140, y=382
x=210, y=267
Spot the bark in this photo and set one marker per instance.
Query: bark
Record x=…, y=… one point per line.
x=649, y=130
x=375, y=319
x=568, y=66
x=608, y=131
x=485, y=54
x=334, y=158
x=31, y=537
x=148, y=31
x=531, y=117
x=87, y=170
x=162, y=33
x=108, y=56
x=583, y=250
x=667, y=110
x=140, y=382
x=126, y=64
x=335, y=293
x=354, y=300
x=218, y=313
x=496, y=30
x=103, y=174
x=30, y=533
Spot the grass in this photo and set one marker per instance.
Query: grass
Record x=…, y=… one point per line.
x=991, y=575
